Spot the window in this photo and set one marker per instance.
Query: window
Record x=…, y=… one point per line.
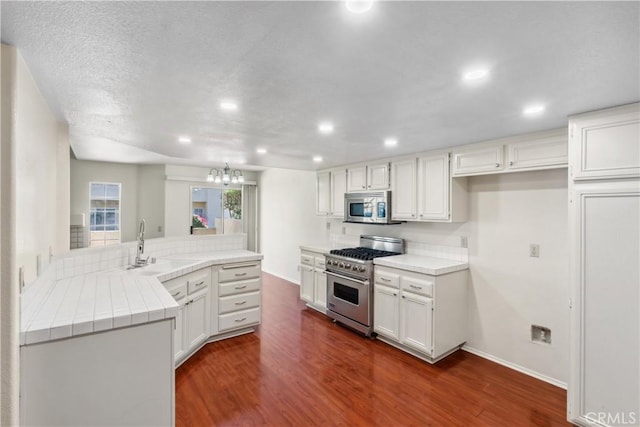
x=216, y=210
x=104, y=219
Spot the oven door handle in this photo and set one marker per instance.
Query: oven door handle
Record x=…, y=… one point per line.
x=362, y=282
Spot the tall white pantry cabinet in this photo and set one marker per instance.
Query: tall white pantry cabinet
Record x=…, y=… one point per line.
x=604, y=197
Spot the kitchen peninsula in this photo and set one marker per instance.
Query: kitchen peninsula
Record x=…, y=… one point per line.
x=100, y=341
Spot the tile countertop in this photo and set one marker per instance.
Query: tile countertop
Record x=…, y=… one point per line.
x=422, y=264
x=111, y=299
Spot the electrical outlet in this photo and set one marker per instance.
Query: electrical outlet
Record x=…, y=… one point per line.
x=328, y=225
x=464, y=242
x=159, y=229
x=534, y=250
x=344, y=230
x=540, y=334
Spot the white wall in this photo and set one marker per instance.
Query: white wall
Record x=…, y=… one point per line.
x=287, y=219
x=32, y=143
x=510, y=291
x=151, y=199
x=83, y=172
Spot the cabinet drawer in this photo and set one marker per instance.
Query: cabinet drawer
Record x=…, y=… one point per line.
x=386, y=279
x=319, y=262
x=307, y=259
x=421, y=287
x=239, y=287
x=177, y=289
x=239, y=319
x=232, y=272
x=198, y=282
x=238, y=302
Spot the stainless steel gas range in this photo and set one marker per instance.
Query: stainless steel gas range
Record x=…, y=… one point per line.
x=350, y=281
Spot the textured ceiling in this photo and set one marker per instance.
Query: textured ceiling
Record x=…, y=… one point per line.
x=131, y=77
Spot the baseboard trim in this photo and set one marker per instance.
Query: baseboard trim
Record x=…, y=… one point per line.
x=515, y=367
x=295, y=282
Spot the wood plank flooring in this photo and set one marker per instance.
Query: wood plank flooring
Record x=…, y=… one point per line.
x=300, y=369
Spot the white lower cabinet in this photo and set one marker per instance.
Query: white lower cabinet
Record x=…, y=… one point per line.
x=387, y=311
x=191, y=327
x=421, y=314
x=416, y=321
x=215, y=303
x=313, y=280
x=239, y=297
x=196, y=318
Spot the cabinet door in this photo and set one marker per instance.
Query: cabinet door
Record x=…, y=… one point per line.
x=605, y=348
x=540, y=153
x=416, y=322
x=478, y=161
x=433, y=187
x=403, y=192
x=179, y=347
x=338, y=188
x=196, y=319
x=320, y=288
x=386, y=311
x=378, y=176
x=605, y=144
x=357, y=179
x=306, y=283
x=323, y=193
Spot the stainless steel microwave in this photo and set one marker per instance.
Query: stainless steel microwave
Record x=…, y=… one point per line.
x=370, y=207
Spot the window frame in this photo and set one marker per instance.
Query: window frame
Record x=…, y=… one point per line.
x=216, y=187
x=119, y=222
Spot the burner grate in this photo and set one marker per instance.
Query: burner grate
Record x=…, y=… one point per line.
x=365, y=254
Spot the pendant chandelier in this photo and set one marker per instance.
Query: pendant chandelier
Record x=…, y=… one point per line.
x=225, y=176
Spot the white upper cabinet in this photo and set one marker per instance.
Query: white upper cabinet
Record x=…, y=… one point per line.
x=323, y=193
x=606, y=144
x=357, y=179
x=403, y=190
x=540, y=150
x=545, y=152
x=369, y=177
x=338, y=188
x=478, y=160
x=433, y=187
x=378, y=176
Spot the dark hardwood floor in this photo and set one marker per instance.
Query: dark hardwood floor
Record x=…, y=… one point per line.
x=300, y=369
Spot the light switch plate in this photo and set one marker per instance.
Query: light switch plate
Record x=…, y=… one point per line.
x=534, y=250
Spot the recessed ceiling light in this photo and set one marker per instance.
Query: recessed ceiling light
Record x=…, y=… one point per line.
x=317, y=159
x=184, y=140
x=325, y=128
x=358, y=6
x=532, y=110
x=228, y=105
x=261, y=150
x=390, y=142
x=475, y=75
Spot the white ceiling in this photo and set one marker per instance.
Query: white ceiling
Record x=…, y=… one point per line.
x=131, y=77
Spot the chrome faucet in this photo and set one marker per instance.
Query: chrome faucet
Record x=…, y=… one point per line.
x=139, y=262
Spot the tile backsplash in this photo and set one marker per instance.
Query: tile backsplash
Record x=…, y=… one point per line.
x=90, y=260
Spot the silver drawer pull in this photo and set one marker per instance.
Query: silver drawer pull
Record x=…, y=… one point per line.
x=176, y=294
x=199, y=284
x=241, y=287
x=240, y=274
x=241, y=302
x=384, y=279
x=240, y=320
x=415, y=287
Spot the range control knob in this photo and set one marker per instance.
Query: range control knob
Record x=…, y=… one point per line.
x=362, y=269
x=341, y=265
x=354, y=268
x=347, y=266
